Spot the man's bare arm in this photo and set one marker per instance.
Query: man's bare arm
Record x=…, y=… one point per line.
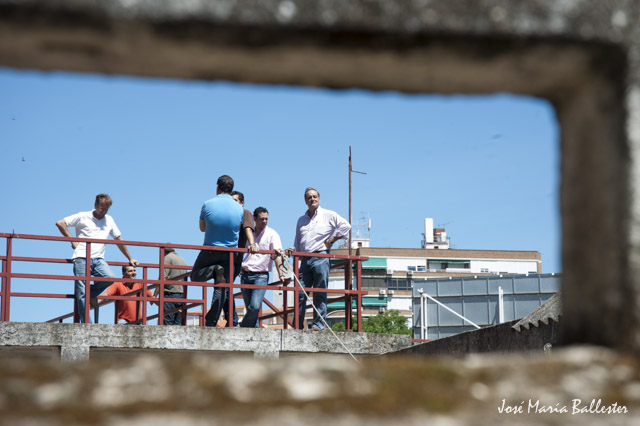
x=203, y=226
x=253, y=247
x=279, y=268
x=123, y=248
x=64, y=230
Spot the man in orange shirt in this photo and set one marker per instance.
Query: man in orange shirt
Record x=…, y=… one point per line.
x=126, y=309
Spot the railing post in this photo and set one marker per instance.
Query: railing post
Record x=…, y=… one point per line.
x=230, y=302
x=285, y=315
x=183, y=312
x=203, y=313
x=359, y=295
x=87, y=284
x=2, y=291
x=348, y=297
x=161, y=288
x=143, y=295
x=6, y=283
x=115, y=311
x=296, y=295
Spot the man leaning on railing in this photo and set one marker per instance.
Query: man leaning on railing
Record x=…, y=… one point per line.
x=316, y=231
x=96, y=224
x=220, y=220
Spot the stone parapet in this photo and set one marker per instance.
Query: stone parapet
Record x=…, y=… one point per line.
x=82, y=341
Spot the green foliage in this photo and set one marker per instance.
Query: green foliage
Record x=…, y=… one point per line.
x=391, y=322
x=339, y=326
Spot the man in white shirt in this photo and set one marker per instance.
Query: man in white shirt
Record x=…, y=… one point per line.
x=99, y=225
x=316, y=231
x=256, y=267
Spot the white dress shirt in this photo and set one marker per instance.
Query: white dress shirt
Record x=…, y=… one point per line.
x=312, y=232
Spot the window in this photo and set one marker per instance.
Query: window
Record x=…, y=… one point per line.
x=411, y=268
x=374, y=282
x=399, y=284
x=486, y=270
x=422, y=268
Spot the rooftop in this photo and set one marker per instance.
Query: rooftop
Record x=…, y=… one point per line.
x=444, y=254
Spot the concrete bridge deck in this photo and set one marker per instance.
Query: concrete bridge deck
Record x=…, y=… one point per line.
x=83, y=341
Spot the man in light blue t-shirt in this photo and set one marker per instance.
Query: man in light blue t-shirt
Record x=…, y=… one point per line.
x=220, y=220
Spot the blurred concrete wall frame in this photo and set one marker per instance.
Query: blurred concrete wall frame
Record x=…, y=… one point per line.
x=583, y=56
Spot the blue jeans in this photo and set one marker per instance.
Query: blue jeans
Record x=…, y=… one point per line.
x=314, y=272
x=99, y=268
x=174, y=318
x=253, y=297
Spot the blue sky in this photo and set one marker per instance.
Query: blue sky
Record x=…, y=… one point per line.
x=486, y=166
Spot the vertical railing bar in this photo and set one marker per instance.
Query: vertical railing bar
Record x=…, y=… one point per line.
x=161, y=288
x=285, y=315
x=348, y=309
x=183, y=312
x=6, y=299
x=296, y=296
x=143, y=296
x=359, y=295
x=87, y=283
x=203, y=312
x=229, y=291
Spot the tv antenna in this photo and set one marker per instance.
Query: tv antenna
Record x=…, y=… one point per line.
x=351, y=171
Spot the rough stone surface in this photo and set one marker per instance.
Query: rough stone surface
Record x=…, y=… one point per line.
x=205, y=389
x=582, y=55
x=499, y=338
x=80, y=341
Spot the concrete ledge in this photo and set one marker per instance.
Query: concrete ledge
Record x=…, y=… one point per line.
x=80, y=341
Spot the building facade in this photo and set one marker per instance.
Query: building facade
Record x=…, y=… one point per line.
x=397, y=278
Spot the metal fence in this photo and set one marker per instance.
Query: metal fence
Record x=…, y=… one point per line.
x=352, y=265
x=481, y=301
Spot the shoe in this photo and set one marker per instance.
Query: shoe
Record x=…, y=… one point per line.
x=218, y=273
x=316, y=329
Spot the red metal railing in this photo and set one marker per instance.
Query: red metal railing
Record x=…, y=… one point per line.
x=349, y=264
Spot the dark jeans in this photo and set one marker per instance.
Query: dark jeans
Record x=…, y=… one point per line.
x=203, y=270
x=174, y=318
x=237, y=267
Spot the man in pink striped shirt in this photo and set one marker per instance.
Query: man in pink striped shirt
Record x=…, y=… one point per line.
x=256, y=267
